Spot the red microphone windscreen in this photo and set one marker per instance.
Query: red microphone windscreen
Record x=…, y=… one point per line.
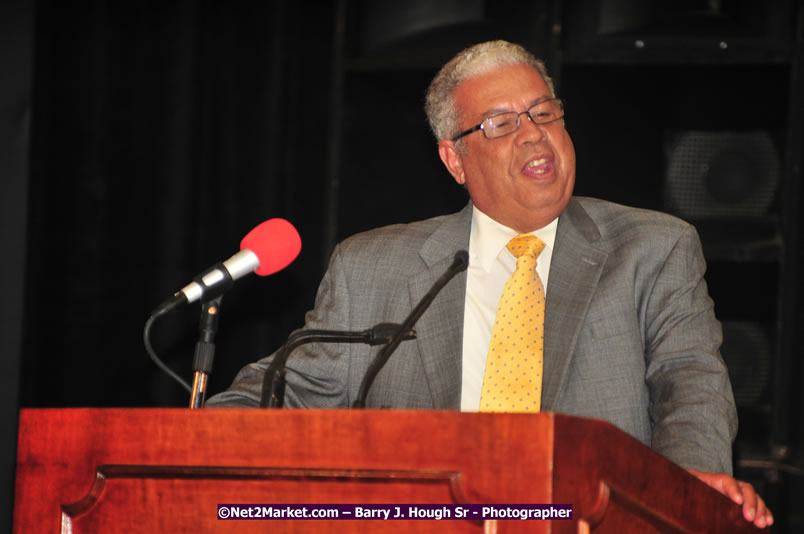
x=276, y=244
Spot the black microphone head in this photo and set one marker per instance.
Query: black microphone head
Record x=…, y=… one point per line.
x=461, y=260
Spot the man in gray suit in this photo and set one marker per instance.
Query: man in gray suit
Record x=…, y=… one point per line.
x=630, y=332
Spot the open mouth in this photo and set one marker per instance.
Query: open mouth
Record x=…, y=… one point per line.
x=538, y=166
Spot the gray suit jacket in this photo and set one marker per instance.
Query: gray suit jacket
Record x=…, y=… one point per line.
x=630, y=333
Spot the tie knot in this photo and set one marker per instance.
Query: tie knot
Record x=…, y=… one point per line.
x=526, y=245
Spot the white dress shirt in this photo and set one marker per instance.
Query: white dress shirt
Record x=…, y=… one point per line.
x=490, y=266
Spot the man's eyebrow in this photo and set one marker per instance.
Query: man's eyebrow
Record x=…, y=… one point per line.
x=495, y=111
x=498, y=111
x=539, y=100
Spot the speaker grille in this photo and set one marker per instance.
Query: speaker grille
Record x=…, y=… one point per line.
x=719, y=175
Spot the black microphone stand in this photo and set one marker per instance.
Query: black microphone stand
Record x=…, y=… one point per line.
x=205, y=348
x=208, y=327
x=273, y=384
x=204, y=351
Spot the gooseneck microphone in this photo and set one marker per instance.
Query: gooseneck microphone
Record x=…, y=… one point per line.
x=273, y=383
x=460, y=263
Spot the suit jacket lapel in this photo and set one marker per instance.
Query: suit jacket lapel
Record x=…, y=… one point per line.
x=575, y=270
x=439, y=332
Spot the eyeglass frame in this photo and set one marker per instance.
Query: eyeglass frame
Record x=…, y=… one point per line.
x=518, y=120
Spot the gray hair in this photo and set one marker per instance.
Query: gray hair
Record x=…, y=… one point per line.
x=442, y=112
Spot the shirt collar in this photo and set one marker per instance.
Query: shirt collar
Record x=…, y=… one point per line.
x=488, y=238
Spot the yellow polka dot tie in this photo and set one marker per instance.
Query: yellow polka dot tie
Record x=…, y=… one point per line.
x=513, y=377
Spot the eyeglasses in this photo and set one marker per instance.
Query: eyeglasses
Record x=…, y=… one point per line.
x=542, y=112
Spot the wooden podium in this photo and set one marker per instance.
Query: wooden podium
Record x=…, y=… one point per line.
x=166, y=470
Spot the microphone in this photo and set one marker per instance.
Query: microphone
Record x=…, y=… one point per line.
x=268, y=248
x=273, y=382
x=460, y=263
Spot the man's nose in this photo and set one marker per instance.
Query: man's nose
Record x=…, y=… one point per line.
x=529, y=131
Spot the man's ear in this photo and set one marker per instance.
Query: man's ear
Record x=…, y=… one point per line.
x=452, y=160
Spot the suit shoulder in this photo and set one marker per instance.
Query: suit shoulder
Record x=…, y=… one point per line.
x=614, y=219
x=392, y=241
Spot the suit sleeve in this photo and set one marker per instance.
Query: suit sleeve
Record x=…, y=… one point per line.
x=692, y=407
x=316, y=373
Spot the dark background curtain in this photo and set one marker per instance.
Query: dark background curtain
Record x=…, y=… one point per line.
x=162, y=132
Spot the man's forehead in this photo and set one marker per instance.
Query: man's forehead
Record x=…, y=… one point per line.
x=501, y=89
